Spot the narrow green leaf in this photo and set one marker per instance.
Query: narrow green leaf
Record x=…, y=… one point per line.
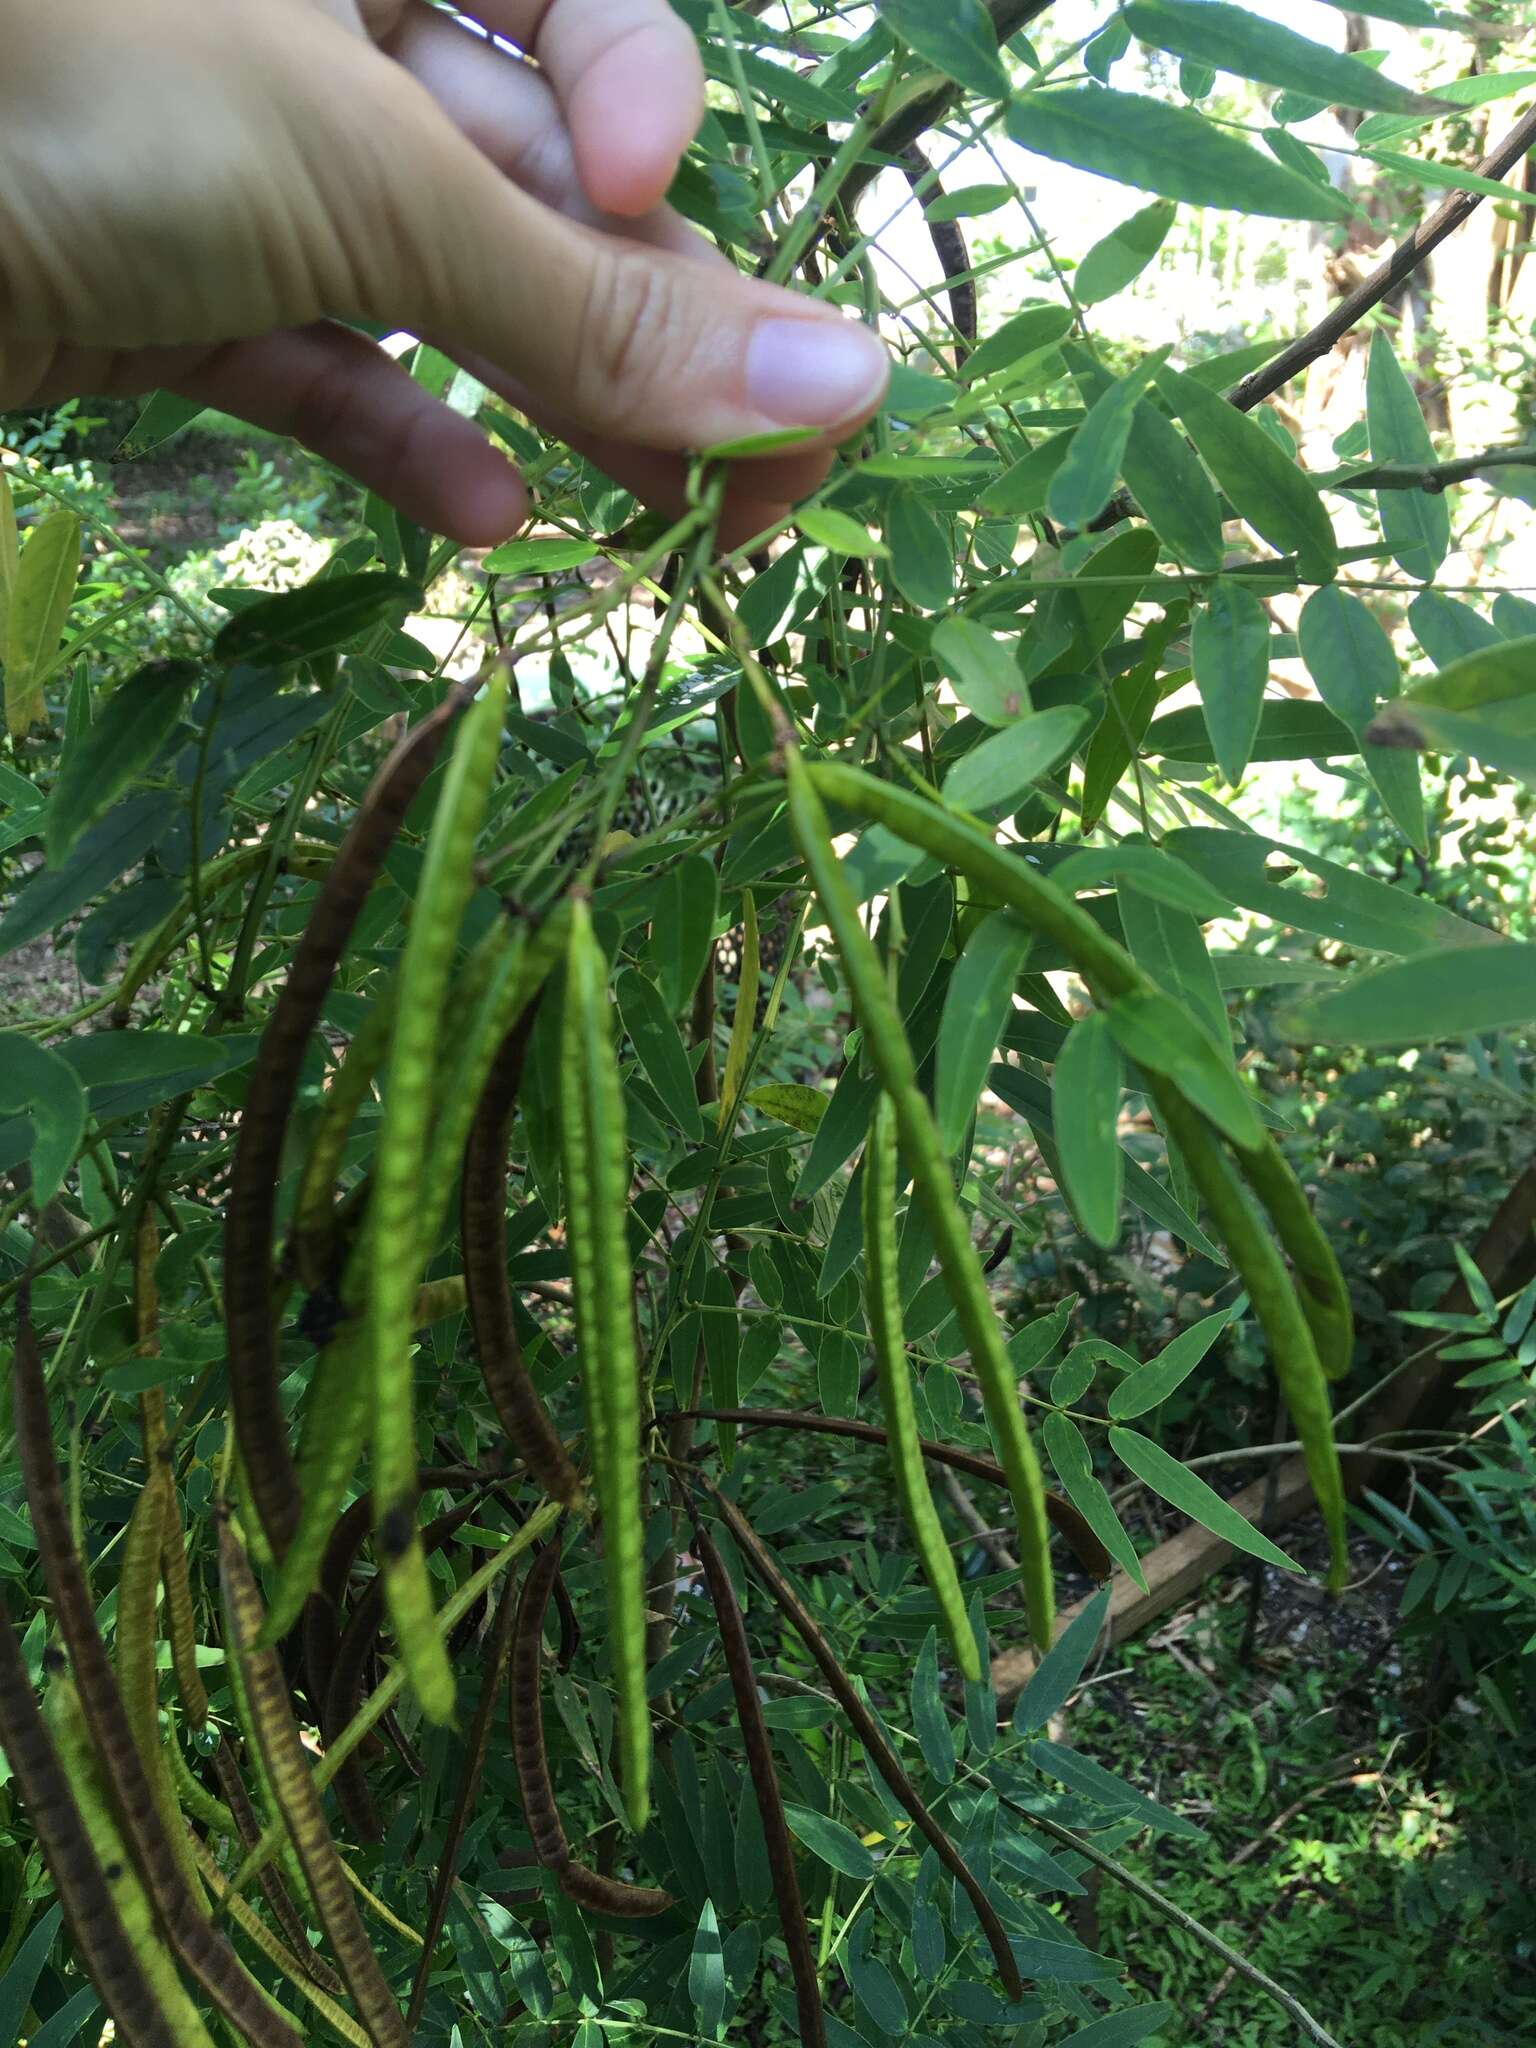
x=43, y=591
x=683, y=929
x=1068, y=1453
x=1152, y=1029
x=1416, y=525
x=977, y=1005
x=930, y=1723
x=1352, y=662
x=1446, y=628
x=967, y=202
x=659, y=1049
x=323, y=615
x=1032, y=1099
x=1166, y=940
x=162, y=416
x=706, y=1975
x=1184, y=1490
x=1248, y=46
x=1123, y=2029
x=1229, y=652
x=1082, y=487
x=1091, y=1781
x=1298, y=888
x=1085, y=1086
x=957, y=39
x=1264, y=485
x=547, y=557
x=836, y=530
x=1120, y=257
x=791, y=1102
x=1162, y=148
x=922, y=562
x=38, y=1083
x=1501, y=674
x=1152, y=1383
x=1022, y=487
x=1055, y=1677
x=1290, y=729
x=1498, y=735
x=1164, y=476
x=108, y=849
x=831, y=1842
x=1412, y=1002
x=985, y=671
x=1144, y=868
x=20, y=1980
x=1037, y=327
x=121, y=741
x=1001, y=769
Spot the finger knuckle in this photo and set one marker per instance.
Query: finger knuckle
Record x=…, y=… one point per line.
x=634, y=340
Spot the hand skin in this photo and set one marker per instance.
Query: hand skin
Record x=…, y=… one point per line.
x=192, y=193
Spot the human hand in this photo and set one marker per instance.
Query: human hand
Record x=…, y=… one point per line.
x=193, y=191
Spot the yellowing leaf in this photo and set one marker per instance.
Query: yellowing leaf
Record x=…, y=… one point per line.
x=48, y=569
x=800, y=1107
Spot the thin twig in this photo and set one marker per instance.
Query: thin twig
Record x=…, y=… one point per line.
x=1403, y=261
x=1313, y=2029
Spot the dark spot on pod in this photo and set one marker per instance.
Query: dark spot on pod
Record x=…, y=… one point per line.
x=396, y=1531
x=54, y=1660
x=320, y=1317
x=113, y=1873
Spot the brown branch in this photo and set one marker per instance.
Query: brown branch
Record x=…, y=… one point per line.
x=1432, y=477
x=1403, y=261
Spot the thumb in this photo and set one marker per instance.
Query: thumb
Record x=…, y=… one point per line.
x=627, y=340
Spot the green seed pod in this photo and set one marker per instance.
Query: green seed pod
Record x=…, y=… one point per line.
x=885, y=1043
x=444, y=889
x=883, y=1303
x=596, y=1173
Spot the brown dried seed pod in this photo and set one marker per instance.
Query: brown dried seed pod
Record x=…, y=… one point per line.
x=876, y=1748
x=526, y=1698
x=254, y=1381
x=294, y=1789
x=94, y=1925
x=765, y=1789
x=483, y=1235
x=205, y=1953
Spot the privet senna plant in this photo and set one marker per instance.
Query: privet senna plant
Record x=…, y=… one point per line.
x=434, y=1235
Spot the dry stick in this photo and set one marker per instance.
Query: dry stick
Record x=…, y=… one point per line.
x=948, y=238
x=765, y=1789
x=483, y=1234
x=94, y=1925
x=469, y=1789
x=261, y=1427
x=204, y=1952
x=1064, y=1518
x=1403, y=261
x=1293, y=2007
x=867, y=1729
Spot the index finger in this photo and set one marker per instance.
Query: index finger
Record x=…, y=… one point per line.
x=628, y=78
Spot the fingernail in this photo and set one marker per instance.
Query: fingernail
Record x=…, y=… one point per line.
x=814, y=372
